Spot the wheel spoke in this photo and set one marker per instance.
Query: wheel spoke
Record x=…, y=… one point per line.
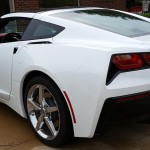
x=43, y=111
x=32, y=105
x=41, y=94
x=50, y=126
x=39, y=123
x=51, y=109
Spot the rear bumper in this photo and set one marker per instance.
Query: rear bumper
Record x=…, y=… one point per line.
x=129, y=107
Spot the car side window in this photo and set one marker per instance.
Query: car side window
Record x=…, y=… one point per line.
x=40, y=30
x=12, y=29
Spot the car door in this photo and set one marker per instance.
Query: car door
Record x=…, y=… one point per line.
x=11, y=31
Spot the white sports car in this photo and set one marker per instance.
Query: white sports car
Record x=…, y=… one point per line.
x=69, y=71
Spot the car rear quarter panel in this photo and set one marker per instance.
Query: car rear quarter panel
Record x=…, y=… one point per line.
x=79, y=71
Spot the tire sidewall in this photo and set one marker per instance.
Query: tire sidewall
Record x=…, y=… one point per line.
x=65, y=131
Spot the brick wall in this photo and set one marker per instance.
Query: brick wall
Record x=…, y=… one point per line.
x=26, y=5
x=116, y=4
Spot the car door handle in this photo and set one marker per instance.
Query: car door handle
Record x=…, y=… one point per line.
x=15, y=50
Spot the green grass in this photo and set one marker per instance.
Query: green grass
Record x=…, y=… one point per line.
x=146, y=15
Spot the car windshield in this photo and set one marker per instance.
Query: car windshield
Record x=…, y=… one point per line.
x=109, y=20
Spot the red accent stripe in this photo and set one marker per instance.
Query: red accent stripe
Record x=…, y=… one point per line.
x=70, y=105
x=134, y=97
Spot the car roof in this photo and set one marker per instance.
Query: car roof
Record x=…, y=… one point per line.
x=43, y=13
x=19, y=14
x=39, y=15
x=69, y=9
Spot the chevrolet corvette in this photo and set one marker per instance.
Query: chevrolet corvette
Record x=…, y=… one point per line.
x=70, y=71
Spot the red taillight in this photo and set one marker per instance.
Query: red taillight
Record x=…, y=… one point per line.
x=146, y=56
x=127, y=61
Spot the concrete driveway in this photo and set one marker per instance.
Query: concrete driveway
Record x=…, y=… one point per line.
x=15, y=134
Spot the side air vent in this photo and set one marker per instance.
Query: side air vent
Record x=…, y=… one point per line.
x=40, y=42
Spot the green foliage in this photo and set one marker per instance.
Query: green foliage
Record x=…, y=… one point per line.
x=57, y=3
x=146, y=15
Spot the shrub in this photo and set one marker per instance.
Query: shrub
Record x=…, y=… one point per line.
x=146, y=15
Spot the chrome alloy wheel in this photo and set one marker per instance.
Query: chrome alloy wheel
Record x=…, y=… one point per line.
x=43, y=112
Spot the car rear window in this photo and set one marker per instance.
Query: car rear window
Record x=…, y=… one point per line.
x=109, y=20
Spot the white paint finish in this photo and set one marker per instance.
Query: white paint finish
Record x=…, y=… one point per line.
x=77, y=60
x=6, y=58
x=18, y=14
x=145, y=38
x=81, y=72
x=16, y=102
x=68, y=72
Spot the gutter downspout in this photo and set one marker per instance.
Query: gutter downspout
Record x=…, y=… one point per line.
x=12, y=6
x=78, y=3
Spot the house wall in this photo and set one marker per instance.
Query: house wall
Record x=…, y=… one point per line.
x=26, y=5
x=115, y=4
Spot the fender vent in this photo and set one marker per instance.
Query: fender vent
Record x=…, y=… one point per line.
x=40, y=42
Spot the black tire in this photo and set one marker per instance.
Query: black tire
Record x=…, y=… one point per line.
x=60, y=118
